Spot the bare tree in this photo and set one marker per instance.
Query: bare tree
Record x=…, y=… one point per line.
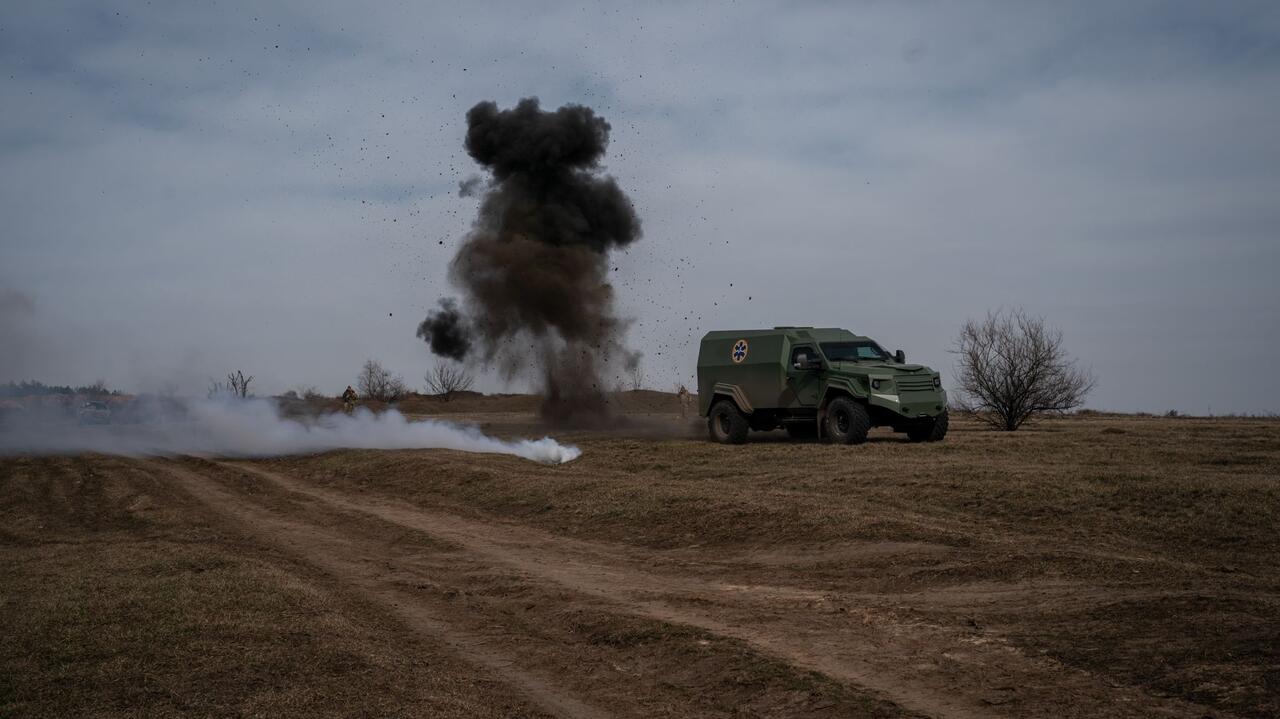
x=238, y=384
x=445, y=379
x=376, y=382
x=636, y=379
x=217, y=389
x=1013, y=367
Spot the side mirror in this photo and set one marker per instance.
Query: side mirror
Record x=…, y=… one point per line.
x=900, y=357
x=805, y=362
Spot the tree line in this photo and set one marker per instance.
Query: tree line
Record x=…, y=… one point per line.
x=374, y=382
x=31, y=388
x=1011, y=366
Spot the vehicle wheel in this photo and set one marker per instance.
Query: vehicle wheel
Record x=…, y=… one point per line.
x=932, y=431
x=847, y=421
x=802, y=430
x=726, y=424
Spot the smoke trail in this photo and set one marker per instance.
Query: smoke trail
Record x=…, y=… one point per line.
x=533, y=271
x=254, y=428
x=24, y=348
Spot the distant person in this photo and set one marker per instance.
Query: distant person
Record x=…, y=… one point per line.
x=685, y=397
x=349, y=400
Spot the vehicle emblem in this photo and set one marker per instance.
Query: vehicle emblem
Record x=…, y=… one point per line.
x=739, y=352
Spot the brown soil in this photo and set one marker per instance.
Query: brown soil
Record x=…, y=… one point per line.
x=1067, y=570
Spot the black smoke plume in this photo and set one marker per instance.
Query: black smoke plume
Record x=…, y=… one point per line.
x=533, y=270
x=445, y=329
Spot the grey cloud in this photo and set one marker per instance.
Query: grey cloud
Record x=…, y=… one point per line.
x=15, y=303
x=183, y=197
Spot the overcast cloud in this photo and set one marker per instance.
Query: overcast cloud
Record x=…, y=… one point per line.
x=192, y=188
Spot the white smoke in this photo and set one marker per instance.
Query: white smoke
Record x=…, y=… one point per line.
x=255, y=428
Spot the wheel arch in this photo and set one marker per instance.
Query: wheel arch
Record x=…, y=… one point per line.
x=832, y=391
x=731, y=392
x=840, y=389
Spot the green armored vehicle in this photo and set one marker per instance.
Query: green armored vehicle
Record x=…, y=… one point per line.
x=822, y=382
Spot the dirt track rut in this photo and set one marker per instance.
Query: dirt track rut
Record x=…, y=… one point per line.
x=351, y=564
x=926, y=670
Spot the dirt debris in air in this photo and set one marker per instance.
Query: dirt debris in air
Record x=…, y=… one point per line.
x=533, y=271
x=1062, y=571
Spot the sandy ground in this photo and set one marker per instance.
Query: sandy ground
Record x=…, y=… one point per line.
x=1095, y=567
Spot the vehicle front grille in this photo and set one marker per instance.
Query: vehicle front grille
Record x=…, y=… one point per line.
x=909, y=383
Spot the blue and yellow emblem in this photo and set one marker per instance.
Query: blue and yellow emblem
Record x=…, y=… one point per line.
x=739, y=351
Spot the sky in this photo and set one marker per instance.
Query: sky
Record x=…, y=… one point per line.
x=193, y=188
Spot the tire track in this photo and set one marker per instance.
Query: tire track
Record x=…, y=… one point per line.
x=922, y=669
x=347, y=561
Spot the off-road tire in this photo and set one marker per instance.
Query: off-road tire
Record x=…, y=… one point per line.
x=802, y=430
x=847, y=421
x=726, y=424
x=932, y=431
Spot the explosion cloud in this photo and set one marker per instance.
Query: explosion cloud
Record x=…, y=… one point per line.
x=533, y=270
x=445, y=329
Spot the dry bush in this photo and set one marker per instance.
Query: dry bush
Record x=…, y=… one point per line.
x=1013, y=367
x=238, y=384
x=376, y=382
x=304, y=391
x=447, y=378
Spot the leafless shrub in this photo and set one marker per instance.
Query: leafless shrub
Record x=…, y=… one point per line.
x=1013, y=367
x=636, y=378
x=304, y=391
x=376, y=382
x=238, y=384
x=448, y=378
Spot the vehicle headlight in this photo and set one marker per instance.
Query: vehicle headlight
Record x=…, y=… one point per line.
x=875, y=384
x=937, y=381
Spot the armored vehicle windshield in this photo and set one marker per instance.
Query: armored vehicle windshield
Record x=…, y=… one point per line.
x=853, y=351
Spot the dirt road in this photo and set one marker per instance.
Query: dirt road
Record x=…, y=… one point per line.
x=847, y=639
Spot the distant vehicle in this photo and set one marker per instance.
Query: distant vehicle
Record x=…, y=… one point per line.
x=94, y=412
x=823, y=382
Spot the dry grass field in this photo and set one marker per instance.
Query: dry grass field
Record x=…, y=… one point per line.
x=1101, y=566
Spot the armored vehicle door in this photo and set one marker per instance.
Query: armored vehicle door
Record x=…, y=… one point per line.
x=804, y=376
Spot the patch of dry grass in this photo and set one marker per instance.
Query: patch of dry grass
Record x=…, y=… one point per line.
x=1207, y=487
x=117, y=602
x=1155, y=538
x=1166, y=526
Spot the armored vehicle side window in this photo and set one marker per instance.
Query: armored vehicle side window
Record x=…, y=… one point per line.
x=803, y=355
x=853, y=351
